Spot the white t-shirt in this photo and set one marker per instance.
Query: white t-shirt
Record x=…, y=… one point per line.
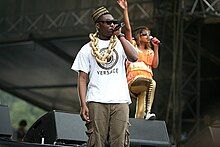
x=108, y=83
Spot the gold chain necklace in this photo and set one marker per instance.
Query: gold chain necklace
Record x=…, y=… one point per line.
x=102, y=58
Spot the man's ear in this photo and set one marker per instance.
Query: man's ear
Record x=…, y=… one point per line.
x=97, y=25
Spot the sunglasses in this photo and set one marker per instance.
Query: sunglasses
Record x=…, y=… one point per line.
x=145, y=33
x=109, y=22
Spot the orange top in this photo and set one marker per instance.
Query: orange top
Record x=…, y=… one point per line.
x=142, y=67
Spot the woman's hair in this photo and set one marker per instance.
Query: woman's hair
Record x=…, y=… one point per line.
x=137, y=33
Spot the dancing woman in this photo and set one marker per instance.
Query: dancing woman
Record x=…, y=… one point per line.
x=139, y=74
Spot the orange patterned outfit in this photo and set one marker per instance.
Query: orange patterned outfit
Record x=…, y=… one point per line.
x=140, y=81
x=142, y=67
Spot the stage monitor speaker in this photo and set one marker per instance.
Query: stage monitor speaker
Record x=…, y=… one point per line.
x=151, y=133
x=5, y=123
x=57, y=128
x=208, y=137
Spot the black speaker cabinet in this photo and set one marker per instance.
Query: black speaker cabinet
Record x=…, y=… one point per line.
x=151, y=133
x=208, y=137
x=5, y=123
x=57, y=128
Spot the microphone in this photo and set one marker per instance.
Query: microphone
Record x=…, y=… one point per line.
x=120, y=25
x=154, y=41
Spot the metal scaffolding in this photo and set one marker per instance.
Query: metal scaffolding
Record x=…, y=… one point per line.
x=186, y=20
x=177, y=23
x=66, y=23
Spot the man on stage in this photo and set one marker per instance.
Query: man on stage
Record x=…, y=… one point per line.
x=102, y=84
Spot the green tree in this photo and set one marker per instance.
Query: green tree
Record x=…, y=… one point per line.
x=20, y=109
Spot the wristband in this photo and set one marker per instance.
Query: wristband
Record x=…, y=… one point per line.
x=121, y=35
